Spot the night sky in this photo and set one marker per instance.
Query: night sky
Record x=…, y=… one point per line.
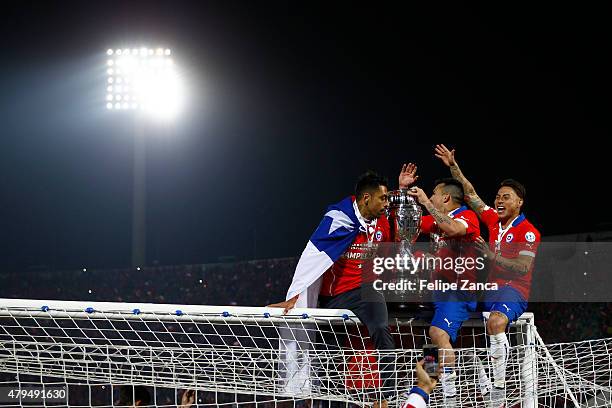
x=288, y=103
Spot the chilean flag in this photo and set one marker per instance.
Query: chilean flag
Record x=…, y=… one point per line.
x=331, y=239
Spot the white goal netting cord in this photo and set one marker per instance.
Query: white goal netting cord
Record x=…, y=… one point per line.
x=310, y=354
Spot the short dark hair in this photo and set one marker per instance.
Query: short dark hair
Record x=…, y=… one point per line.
x=518, y=188
x=452, y=187
x=129, y=394
x=368, y=182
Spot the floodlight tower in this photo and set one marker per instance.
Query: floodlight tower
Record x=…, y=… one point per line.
x=143, y=80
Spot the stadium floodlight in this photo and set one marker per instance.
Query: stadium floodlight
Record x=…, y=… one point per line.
x=142, y=79
x=154, y=84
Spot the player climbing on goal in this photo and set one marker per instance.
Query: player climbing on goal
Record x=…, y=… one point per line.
x=331, y=267
x=456, y=229
x=512, y=247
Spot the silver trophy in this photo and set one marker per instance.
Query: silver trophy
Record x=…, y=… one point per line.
x=405, y=221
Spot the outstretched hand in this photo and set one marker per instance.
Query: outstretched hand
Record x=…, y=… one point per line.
x=287, y=305
x=447, y=156
x=424, y=381
x=407, y=176
x=188, y=399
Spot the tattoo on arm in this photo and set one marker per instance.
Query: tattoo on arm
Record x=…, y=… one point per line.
x=516, y=265
x=456, y=173
x=475, y=203
x=439, y=217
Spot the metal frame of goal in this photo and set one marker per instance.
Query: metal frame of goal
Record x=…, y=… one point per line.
x=251, y=356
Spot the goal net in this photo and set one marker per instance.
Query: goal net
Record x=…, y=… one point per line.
x=245, y=356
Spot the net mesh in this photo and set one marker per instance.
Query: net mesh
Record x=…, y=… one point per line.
x=257, y=357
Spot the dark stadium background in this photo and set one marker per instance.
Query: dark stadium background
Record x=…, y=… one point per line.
x=290, y=102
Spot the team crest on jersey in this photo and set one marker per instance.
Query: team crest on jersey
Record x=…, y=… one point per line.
x=379, y=235
x=509, y=237
x=530, y=236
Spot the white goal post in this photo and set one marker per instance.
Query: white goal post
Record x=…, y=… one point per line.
x=255, y=355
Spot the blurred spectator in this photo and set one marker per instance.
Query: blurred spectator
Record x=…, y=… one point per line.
x=250, y=283
x=134, y=396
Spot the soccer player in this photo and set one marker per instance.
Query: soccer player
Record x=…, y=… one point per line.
x=512, y=247
x=455, y=228
x=331, y=265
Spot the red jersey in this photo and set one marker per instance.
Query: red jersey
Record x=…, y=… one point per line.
x=519, y=238
x=453, y=248
x=345, y=273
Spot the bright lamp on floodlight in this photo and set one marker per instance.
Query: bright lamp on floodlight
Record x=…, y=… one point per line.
x=154, y=84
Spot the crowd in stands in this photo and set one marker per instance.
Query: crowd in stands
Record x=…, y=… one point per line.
x=249, y=283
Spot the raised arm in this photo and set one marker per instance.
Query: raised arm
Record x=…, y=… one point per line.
x=449, y=226
x=448, y=158
x=407, y=176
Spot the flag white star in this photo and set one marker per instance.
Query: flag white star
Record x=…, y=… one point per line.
x=339, y=219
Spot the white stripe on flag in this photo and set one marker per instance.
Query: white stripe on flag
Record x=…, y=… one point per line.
x=312, y=264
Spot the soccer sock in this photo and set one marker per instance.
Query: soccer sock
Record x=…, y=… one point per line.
x=483, y=379
x=447, y=378
x=499, y=355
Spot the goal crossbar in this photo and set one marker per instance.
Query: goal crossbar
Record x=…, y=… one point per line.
x=308, y=353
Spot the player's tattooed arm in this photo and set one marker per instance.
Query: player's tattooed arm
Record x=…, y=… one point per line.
x=440, y=218
x=448, y=158
x=475, y=203
x=449, y=226
x=519, y=265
